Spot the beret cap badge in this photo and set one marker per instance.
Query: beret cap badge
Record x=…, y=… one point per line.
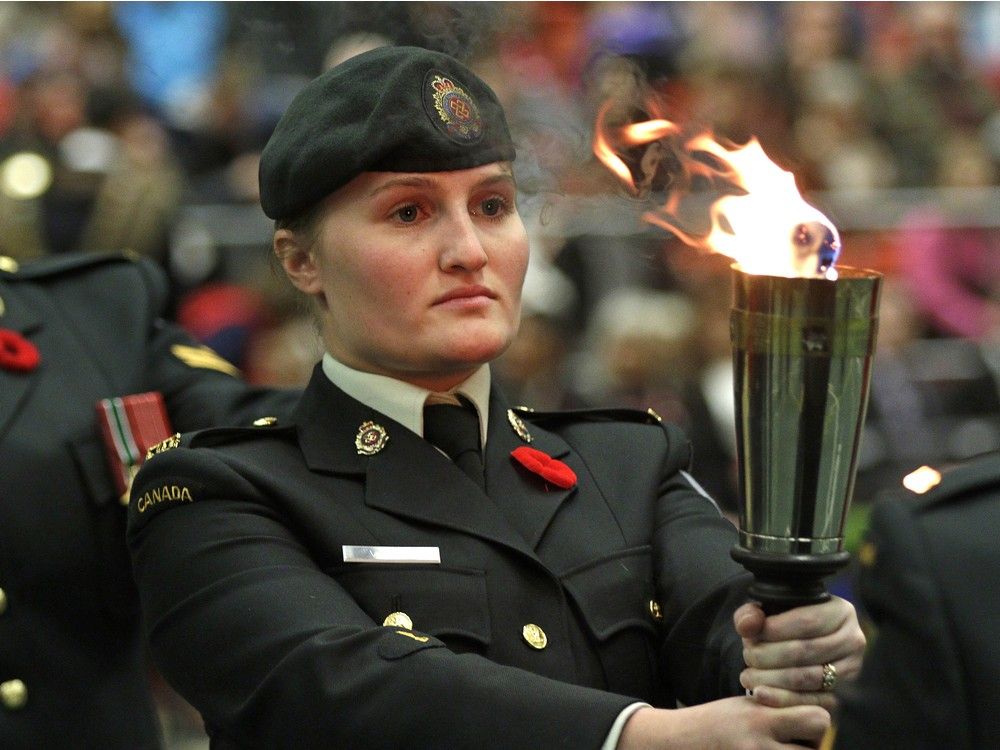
x=454, y=111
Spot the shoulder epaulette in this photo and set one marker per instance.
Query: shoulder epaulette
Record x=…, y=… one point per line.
x=49, y=266
x=966, y=479
x=217, y=436
x=588, y=415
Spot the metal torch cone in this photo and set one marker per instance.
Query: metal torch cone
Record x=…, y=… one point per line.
x=802, y=353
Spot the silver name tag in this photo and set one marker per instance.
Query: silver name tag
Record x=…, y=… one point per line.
x=362, y=553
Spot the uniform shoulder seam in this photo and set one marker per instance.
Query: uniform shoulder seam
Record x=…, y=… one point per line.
x=963, y=479
x=58, y=265
x=605, y=414
x=218, y=436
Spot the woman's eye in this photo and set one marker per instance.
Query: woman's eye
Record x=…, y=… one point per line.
x=408, y=214
x=493, y=206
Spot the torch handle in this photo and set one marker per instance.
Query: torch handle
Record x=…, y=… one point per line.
x=783, y=582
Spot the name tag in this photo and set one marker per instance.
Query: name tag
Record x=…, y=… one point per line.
x=368, y=554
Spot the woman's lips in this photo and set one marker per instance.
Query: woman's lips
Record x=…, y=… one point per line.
x=463, y=294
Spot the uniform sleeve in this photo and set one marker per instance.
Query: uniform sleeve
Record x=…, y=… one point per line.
x=275, y=654
x=910, y=690
x=698, y=584
x=200, y=388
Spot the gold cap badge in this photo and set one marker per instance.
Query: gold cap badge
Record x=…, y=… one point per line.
x=371, y=439
x=264, y=421
x=519, y=427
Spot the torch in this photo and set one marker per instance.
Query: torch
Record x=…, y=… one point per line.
x=803, y=335
x=802, y=351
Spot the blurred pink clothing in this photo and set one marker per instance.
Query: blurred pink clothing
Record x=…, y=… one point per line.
x=954, y=273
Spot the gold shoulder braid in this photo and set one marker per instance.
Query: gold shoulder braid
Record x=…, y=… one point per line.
x=164, y=445
x=204, y=358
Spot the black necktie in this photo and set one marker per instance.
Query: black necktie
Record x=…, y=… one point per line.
x=455, y=430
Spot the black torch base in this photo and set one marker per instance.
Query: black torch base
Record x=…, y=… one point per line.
x=782, y=582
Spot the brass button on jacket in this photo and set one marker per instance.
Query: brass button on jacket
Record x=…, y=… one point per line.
x=534, y=636
x=3, y=601
x=655, y=610
x=398, y=620
x=13, y=694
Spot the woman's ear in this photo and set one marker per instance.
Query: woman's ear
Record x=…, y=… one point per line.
x=298, y=261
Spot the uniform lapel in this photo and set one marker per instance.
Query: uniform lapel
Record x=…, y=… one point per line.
x=528, y=501
x=15, y=386
x=408, y=477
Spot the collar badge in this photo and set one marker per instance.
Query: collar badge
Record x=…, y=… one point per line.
x=371, y=438
x=519, y=427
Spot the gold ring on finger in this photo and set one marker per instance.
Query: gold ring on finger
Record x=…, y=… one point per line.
x=829, y=677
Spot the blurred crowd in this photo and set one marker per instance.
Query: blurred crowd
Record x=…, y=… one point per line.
x=138, y=125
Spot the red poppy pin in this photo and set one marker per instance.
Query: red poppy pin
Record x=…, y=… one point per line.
x=16, y=352
x=542, y=464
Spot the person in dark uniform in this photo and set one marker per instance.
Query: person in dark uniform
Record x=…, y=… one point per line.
x=75, y=329
x=409, y=561
x=929, y=581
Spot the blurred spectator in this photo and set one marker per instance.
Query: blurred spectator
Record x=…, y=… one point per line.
x=223, y=317
x=637, y=347
x=641, y=353
x=954, y=271
x=284, y=353
x=925, y=86
x=173, y=55
x=534, y=369
x=83, y=169
x=833, y=132
x=932, y=400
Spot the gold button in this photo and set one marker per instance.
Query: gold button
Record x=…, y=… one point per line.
x=655, y=610
x=398, y=620
x=3, y=601
x=264, y=421
x=13, y=694
x=535, y=636
x=8, y=264
x=867, y=554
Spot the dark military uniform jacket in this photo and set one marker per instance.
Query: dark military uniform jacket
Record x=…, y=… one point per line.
x=549, y=612
x=72, y=673
x=931, y=678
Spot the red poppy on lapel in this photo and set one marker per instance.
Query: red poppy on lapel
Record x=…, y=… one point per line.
x=16, y=352
x=542, y=464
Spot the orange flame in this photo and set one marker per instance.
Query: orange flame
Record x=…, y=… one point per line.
x=767, y=227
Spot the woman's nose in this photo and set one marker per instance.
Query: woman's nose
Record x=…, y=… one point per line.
x=462, y=245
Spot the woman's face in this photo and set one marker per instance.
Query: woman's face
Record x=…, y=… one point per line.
x=418, y=275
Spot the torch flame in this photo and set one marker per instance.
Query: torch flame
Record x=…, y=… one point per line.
x=767, y=228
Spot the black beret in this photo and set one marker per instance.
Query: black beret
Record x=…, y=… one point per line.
x=393, y=109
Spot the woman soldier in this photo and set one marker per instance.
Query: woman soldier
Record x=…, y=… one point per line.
x=339, y=581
